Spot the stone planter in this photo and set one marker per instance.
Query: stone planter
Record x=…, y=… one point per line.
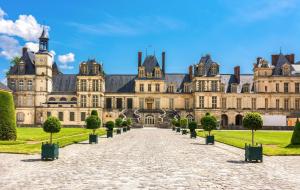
x=119, y=131
x=210, y=139
x=93, y=139
x=184, y=131
x=173, y=128
x=253, y=153
x=49, y=151
x=193, y=134
x=177, y=129
x=124, y=129
x=109, y=133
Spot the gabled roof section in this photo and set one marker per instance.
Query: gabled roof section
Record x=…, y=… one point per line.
x=178, y=80
x=207, y=63
x=28, y=58
x=282, y=59
x=64, y=83
x=119, y=83
x=229, y=79
x=150, y=63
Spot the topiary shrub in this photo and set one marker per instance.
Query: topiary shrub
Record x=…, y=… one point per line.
x=118, y=122
x=110, y=125
x=51, y=125
x=129, y=121
x=94, y=112
x=93, y=122
x=7, y=117
x=125, y=123
x=193, y=125
x=174, y=121
x=296, y=134
x=209, y=123
x=253, y=121
x=183, y=122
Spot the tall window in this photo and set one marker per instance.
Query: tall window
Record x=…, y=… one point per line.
x=157, y=103
x=222, y=88
x=224, y=103
x=297, y=87
x=286, y=71
x=48, y=113
x=83, y=101
x=20, y=116
x=266, y=103
x=13, y=84
x=171, y=103
x=61, y=116
x=149, y=88
x=129, y=103
x=21, y=85
x=95, y=85
x=214, y=86
x=95, y=101
x=214, y=102
x=297, y=104
x=186, y=88
x=201, y=86
x=119, y=103
x=246, y=88
x=157, y=73
x=72, y=116
x=187, y=103
x=157, y=87
x=201, y=102
x=141, y=87
x=286, y=87
x=214, y=70
x=233, y=88
x=82, y=116
x=171, y=89
x=286, y=104
x=277, y=87
x=253, y=103
x=29, y=85
x=277, y=104
x=141, y=103
x=83, y=86
x=239, y=103
x=108, y=103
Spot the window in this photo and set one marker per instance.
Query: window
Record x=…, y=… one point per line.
x=277, y=104
x=141, y=103
x=201, y=69
x=73, y=99
x=286, y=71
x=171, y=103
x=238, y=103
x=119, y=103
x=186, y=88
x=129, y=103
x=108, y=103
x=29, y=85
x=82, y=116
x=214, y=102
x=84, y=69
x=286, y=104
x=297, y=87
x=157, y=87
x=63, y=99
x=186, y=103
x=222, y=88
x=141, y=87
x=297, y=104
x=21, y=85
x=95, y=85
x=214, y=70
x=246, y=88
x=233, y=88
x=157, y=103
x=214, y=86
x=277, y=87
x=149, y=88
x=266, y=89
x=48, y=113
x=83, y=101
x=157, y=73
x=266, y=103
x=253, y=103
x=95, y=101
x=224, y=103
x=61, y=116
x=13, y=84
x=201, y=102
x=286, y=87
x=72, y=116
x=83, y=86
x=171, y=89
x=20, y=116
x=201, y=86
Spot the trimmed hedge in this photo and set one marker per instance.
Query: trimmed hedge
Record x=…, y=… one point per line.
x=8, y=122
x=296, y=134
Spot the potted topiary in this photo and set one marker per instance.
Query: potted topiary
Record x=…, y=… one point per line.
x=193, y=127
x=209, y=123
x=173, y=122
x=118, y=123
x=109, y=128
x=93, y=122
x=124, y=125
x=129, y=123
x=50, y=150
x=296, y=134
x=177, y=124
x=253, y=121
x=183, y=125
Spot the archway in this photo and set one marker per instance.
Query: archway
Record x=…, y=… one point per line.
x=149, y=120
x=224, y=120
x=238, y=119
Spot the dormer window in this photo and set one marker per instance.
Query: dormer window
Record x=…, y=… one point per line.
x=186, y=88
x=286, y=70
x=96, y=69
x=201, y=69
x=222, y=87
x=246, y=88
x=171, y=89
x=214, y=69
x=233, y=88
x=84, y=69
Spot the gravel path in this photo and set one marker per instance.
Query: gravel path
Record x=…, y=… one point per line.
x=148, y=158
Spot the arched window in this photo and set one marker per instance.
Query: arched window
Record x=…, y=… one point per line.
x=224, y=120
x=51, y=99
x=20, y=116
x=74, y=99
x=21, y=85
x=29, y=85
x=63, y=99
x=238, y=119
x=190, y=118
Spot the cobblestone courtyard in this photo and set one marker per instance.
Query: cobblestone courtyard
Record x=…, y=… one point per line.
x=148, y=159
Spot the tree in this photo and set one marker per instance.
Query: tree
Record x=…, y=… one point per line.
x=93, y=122
x=296, y=134
x=174, y=121
x=94, y=112
x=209, y=123
x=118, y=122
x=7, y=117
x=125, y=123
x=15, y=60
x=253, y=121
x=52, y=125
x=193, y=125
x=129, y=121
x=110, y=125
x=183, y=122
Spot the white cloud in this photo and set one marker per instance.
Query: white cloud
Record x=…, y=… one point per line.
x=9, y=47
x=65, y=60
x=32, y=46
x=25, y=27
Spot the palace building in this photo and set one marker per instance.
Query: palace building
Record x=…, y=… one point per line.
x=152, y=96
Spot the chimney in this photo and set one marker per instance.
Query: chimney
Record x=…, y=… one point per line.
x=24, y=50
x=237, y=74
x=291, y=58
x=163, y=59
x=275, y=59
x=139, y=58
x=258, y=59
x=191, y=72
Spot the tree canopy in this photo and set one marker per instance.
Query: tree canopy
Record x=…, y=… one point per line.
x=118, y=122
x=110, y=125
x=253, y=121
x=209, y=122
x=193, y=125
x=93, y=122
x=183, y=122
x=296, y=134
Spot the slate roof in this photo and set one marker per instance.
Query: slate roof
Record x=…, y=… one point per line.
x=4, y=87
x=44, y=34
x=28, y=58
x=119, y=83
x=280, y=62
x=150, y=63
x=207, y=62
x=229, y=79
x=90, y=67
x=64, y=83
x=178, y=80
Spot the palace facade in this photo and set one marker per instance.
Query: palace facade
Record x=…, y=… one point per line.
x=152, y=97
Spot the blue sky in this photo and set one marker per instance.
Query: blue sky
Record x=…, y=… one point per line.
x=234, y=32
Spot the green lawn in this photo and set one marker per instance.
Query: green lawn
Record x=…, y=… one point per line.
x=274, y=142
x=29, y=140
